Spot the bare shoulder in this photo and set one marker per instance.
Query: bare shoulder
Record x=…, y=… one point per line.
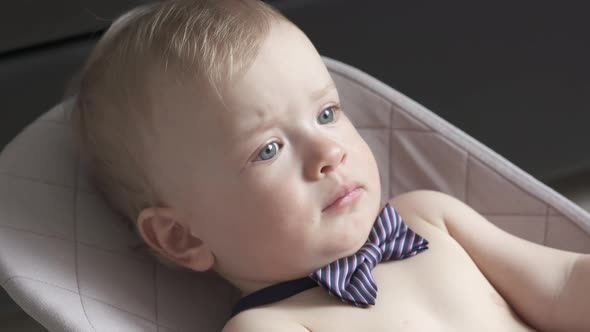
x=262, y=321
x=429, y=205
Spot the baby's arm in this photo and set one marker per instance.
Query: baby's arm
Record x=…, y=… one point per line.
x=549, y=288
x=573, y=304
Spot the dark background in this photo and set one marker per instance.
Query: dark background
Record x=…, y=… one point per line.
x=512, y=74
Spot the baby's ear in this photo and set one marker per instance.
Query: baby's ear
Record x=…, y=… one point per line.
x=161, y=229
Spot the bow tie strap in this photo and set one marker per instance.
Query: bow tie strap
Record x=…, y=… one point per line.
x=350, y=278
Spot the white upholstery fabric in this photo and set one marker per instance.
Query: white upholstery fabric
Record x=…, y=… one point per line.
x=65, y=257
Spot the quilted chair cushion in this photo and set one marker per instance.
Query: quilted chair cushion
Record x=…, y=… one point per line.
x=66, y=257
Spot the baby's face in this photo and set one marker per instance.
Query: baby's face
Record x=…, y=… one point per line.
x=258, y=177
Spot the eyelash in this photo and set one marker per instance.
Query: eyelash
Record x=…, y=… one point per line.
x=336, y=110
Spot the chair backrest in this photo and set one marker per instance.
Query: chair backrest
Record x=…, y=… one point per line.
x=65, y=257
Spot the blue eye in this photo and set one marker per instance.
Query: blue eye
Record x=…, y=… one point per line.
x=327, y=115
x=269, y=151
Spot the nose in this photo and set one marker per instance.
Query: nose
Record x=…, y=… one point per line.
x=325, y=156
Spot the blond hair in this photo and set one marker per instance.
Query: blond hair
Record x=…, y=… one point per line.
x=207, y=41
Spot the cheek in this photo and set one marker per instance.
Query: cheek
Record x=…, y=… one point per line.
x=362, y=150
x=274, y=201
x=272, y=223
x=365, y=163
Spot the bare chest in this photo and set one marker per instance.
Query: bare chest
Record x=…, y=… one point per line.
x=440, y=289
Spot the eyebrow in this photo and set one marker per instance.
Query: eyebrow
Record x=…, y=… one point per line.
x=323, y=91
x=314, y=96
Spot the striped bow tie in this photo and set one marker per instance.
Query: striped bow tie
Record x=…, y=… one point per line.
x=350, y=278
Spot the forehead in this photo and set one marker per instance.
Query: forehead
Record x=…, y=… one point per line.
x=287, y=70
x=285, y=77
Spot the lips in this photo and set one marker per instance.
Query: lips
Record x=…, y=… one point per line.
x=341, y=193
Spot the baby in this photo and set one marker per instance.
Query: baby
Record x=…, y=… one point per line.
x=216, y=128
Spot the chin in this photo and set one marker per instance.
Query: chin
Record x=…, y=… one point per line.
x=351, y=229
x=358, y=235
